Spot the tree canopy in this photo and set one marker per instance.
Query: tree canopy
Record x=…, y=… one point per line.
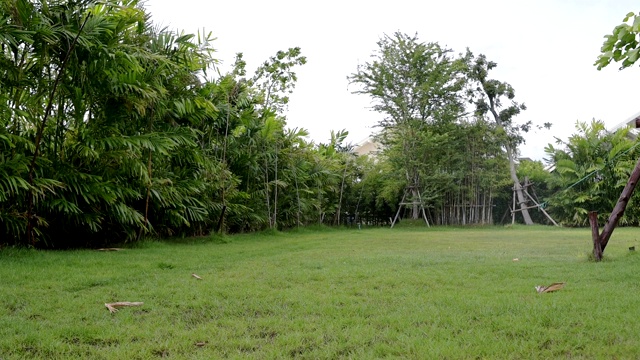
x=432, y=100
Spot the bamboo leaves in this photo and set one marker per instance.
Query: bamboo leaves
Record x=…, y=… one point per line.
x=133, y=140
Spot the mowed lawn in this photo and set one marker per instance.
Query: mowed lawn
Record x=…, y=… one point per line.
x=412, y=293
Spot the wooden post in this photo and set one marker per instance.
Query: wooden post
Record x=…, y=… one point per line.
x=541, y=209
x=399, y=208
x=595, y=235
x=415, y=201
x=618, y=210
x=424, y=214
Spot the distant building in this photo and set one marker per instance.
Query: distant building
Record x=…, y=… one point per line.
x=367, y=146
x=633, y=122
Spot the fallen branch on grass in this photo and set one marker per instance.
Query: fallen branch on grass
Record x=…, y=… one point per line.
x=546, y=289
x=112, y=306
x=196, y=276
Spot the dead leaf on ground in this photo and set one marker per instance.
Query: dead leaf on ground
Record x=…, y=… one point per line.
x=196, y=276
x=113, y=306
x=551, y=288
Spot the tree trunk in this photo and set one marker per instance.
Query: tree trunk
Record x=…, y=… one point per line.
x=31, y=217
x=518, y=188
x=512, y=166
x=618, y=210
x=295, y=178
x=344, y=175
x=597, y=247
x=415, y=211
x=275, y=197
x=267, y=192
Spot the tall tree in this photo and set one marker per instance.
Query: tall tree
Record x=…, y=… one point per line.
x=413, y=84
x=497, y=98
x=274, y=81
x=623, y=45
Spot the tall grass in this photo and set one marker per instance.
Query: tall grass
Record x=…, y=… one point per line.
x=400, y=293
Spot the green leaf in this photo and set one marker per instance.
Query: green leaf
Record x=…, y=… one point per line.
x=622, y=32
x=636, y=24
x=629, y=16
x=633, y=55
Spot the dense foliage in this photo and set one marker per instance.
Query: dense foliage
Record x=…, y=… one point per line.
x=590, y=170
x=113, y=129
x=444, y=151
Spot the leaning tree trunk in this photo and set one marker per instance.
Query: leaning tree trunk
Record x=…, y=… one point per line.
x=518, y=188
x=621, y=205
x=522, y=201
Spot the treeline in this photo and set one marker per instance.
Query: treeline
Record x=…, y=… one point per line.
x=113, y=129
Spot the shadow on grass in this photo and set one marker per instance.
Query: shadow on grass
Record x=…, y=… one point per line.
x=178, y=240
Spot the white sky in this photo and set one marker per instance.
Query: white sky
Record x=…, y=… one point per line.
x=544, y=48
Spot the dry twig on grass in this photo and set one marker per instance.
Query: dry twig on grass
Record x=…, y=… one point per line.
x=113, y=306
x=109, y=249
x=553, y=287
x=196, y=276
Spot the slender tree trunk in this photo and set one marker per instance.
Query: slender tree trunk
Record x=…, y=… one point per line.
x=522, y=201
x=267, y=192
x=275, y=197
x=224, y=162
x=595, y=236
x=344, y=175
x=150, y=174
x=512, y=167
x=295, y=178
x=148, y=197
x=39, y=132
x=415, y=211
x=491, y=207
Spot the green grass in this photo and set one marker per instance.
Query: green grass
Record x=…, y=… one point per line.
x=379, y=293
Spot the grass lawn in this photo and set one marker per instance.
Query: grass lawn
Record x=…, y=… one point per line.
x=413, y=293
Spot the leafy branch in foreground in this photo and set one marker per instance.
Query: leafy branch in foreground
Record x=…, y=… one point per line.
x=622, y=45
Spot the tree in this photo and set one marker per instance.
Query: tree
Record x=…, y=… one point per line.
x=622, y=45
x=496, y=98
x=413, y=84
x=590, y=171
x=274, y=80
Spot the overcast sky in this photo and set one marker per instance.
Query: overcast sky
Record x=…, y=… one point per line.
x=544, y=48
